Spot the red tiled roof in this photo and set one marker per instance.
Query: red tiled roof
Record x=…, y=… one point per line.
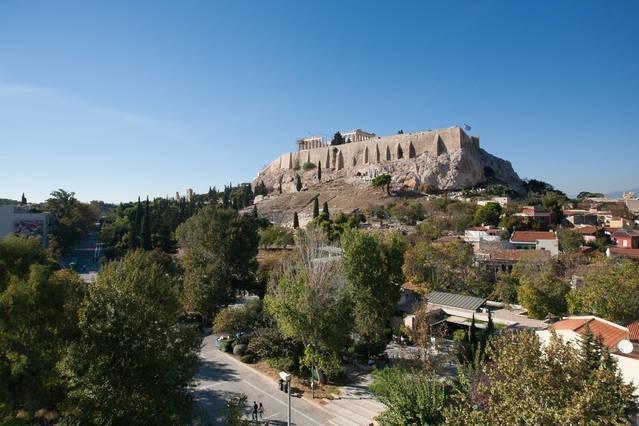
x=633, y=329
x=610, y=333
x=586, y=229
x=625, y=233
x=532, y=236
x=626, y=252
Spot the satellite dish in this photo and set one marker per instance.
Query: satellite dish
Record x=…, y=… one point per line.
x=625, y=346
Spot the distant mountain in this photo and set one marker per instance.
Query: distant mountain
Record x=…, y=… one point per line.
x=619, y=194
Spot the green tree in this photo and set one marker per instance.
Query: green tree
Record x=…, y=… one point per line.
x=296, y=221
x=488, y=214
x=525, y=383
x=135, y=360
x=382, y=181
x=505, y=288
x=569, y=241
x=298, y=183
x=220, y=248
x=410, y=397
x=315, y=207
x=338, y=139
x=442, y=267
x=319, y=171
x=325, y=210
x=308, y=298
x=542, y=292
x=38, y=320
x=235, y=319
x=611, y=292
x=234, y=412
x=146, y=226
x=73, y=219
x=374, y=295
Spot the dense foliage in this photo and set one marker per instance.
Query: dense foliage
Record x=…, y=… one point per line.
x=219, y=248
x=131, y=338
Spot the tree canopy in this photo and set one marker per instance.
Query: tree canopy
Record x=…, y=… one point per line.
x=135, y=359
x=219, y=248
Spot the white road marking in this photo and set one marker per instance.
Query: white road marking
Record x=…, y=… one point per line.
x=280, y=402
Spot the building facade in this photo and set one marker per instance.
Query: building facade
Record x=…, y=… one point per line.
x=19, y=220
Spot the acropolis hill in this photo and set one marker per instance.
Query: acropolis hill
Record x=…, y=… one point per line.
x=443, y=159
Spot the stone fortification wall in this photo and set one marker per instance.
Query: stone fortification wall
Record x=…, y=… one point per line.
x=378, y=150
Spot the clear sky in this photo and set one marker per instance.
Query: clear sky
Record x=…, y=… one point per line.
x=124, y=98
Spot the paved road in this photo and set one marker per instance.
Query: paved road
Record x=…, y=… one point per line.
x=221, y=378
x=86, y=254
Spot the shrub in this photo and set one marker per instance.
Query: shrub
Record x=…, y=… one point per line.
x=287, y=364
x=267, y=342
x=239, y=349
x=227, y=345
x=234, y=319
x=248, y=358
x=308, y=166
x=459, y=336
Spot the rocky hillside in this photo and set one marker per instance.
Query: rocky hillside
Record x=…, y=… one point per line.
x=350, y=189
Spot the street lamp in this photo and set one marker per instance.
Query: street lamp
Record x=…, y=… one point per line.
x=287, y=379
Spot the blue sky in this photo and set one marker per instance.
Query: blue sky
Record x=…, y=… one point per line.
x=118, y=99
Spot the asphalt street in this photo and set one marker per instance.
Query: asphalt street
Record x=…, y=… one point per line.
x=221, y=378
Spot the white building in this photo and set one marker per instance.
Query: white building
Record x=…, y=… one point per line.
x=18, y=220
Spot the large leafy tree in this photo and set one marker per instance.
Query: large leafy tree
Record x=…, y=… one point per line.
x=541, y=291
x=527, y=383
x=73, y=219
x=611, y=292
x=135, y=359
x=444, y=267
x=488, y=214
x=219, y=247
x=373, y=271
x=38, y=319
x=308, y=298
x=410, y=397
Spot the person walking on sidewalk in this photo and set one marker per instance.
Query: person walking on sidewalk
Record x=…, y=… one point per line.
x=260, y=410
x=254, y=411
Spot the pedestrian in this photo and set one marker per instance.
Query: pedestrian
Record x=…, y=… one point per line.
x=260, y=410
x=254, y=412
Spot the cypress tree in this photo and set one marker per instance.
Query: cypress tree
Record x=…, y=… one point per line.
x=472, y=340
x=146, y=226
x=296, y=221
x=315, y=208
x=319, y=171
x=325, y=209
x=298, y=183
x=134, y=231
x=255, y=214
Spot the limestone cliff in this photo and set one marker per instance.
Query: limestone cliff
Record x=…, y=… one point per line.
x=452, y=170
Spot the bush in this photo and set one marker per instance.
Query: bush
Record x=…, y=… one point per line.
x=267, y=342
x=248, y=359
x=308, y=166
x=227, y=345
x=277, y=236
x=287, y=364
x=234, y=319
x=239, y=349
x=459, y=336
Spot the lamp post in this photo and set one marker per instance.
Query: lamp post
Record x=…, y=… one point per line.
x=287, y=379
